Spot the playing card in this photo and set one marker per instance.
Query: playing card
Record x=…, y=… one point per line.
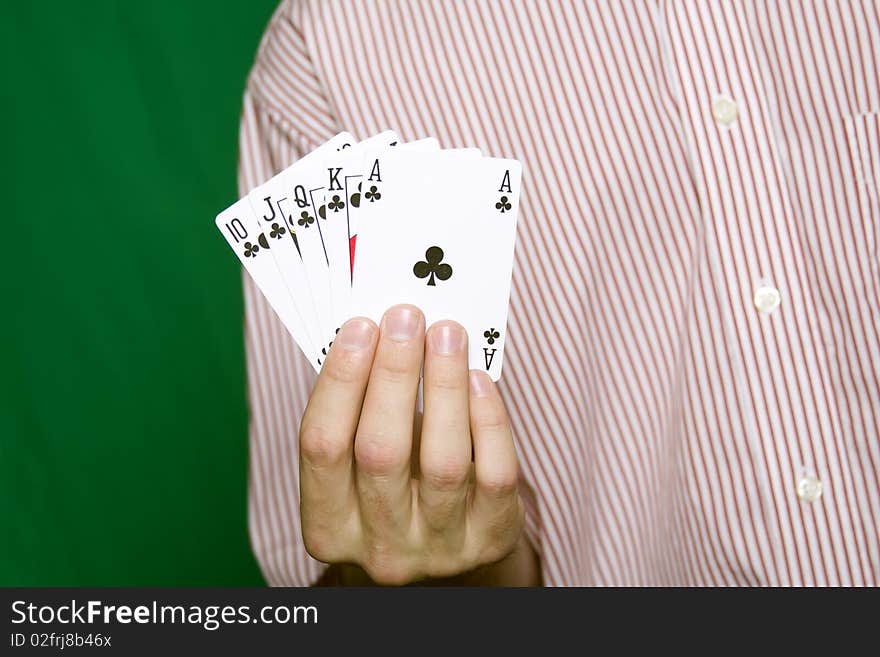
x=342, y=176
x=369, y=196
x=305, y=186
x=240, y=228
x=274, y=209
x=429, y=227
x=443, y=241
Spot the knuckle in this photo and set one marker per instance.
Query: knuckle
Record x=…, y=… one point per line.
x=446, y=376
x=321, y=544
x=331, y=539
x=321, y=446
x=490, y=419
x=445, y=472
x=344, y=367
x=386, y=566
x=498, y=482
x=375, y=452
x=440, y=567
x=318, y=547
x=394, y=366
x=387, y=574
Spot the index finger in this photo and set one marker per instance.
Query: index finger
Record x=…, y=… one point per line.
x=329, y=425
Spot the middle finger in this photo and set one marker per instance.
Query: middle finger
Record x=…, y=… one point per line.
x=445, y=452
x=383, y=444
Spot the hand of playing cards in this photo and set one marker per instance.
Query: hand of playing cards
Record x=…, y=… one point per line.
x=352, y=229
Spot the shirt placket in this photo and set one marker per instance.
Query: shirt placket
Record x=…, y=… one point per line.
x=752, y=264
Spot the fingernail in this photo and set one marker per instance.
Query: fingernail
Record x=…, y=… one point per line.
x=355, y=334
x=481, y=384
x=401, y=324
x=447, y=339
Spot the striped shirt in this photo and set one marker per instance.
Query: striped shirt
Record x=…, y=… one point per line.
x=693, y=366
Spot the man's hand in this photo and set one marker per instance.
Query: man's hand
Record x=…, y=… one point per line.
x=401, y=501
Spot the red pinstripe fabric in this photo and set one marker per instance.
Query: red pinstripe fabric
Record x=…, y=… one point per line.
x=662, y=421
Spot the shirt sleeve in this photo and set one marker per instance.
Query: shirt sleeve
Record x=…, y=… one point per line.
x=277, y=127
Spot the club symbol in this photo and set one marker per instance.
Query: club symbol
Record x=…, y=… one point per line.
x=336, y=203
x=491, y=335
x=355, y=199
x=250, y=250
x=305, y=220
x=277, y=231
x=503, y=204
x=432, y=266
x=326, y=349
x=373, y=194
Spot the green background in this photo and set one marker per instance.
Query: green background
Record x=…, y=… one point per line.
x=123, y=423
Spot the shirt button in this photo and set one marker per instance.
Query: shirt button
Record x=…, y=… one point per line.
x=767, y=298
x=809, y=489
x=725, y=110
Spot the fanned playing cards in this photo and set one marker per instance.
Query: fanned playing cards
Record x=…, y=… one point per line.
x=354, y=228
